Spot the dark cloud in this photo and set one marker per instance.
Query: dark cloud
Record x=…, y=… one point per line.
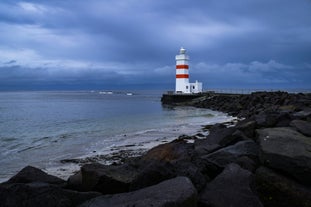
x=10, y=62
x=84, y=43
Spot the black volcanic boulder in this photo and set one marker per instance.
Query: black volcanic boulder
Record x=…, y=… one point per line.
x=158, y=164
x=152, y=172
x=176, y=150
x=221, y=135
x=267, y=119
x=303, y=127
x=234, y=153
x=176, y=192
x=196, y=173
x=277, y=190
x=31, y=174
x=110, y=179
x=304, y=114
x=107, y=179
x=284, y=119
x=287, y=150
x=169, y=160
x=74, y=182
x=204, y=147
x=231, y=188
x=38, y=194
x=247, y=126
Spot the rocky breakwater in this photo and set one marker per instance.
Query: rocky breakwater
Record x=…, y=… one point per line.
x=263, y=160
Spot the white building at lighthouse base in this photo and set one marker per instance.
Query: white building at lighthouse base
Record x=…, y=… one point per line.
x=189, y=87
x=195, y=87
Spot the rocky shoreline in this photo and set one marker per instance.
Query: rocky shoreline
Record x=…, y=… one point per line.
x=263, y=160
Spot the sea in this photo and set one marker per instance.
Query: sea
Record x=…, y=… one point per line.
x=43, y=128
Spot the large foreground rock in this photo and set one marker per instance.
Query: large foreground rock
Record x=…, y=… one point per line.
x=151, y=173
x=247, y=126
x=31, y=174
x=277, y=190
x=107, y=179
x=220, y=135
x=303, y=127
x=227, y=155
x=303, y=114
x=176, y=192
x=231, y=188
x=287, y=150
x=40, y=194
x=161, y=163
x=170, y=152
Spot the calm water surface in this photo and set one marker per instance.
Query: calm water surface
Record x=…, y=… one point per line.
x=42, y=128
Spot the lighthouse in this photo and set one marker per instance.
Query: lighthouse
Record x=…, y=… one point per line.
x=182, y=75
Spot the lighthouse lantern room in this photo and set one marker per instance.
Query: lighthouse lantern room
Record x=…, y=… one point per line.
x=182, y=75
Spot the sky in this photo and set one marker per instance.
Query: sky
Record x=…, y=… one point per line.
x=131, y=44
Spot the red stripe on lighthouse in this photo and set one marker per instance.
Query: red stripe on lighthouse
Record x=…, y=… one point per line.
x=182, y=67
x=182, y=76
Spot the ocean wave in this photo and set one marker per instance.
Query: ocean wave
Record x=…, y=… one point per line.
x=105, y=92
x=8, y=139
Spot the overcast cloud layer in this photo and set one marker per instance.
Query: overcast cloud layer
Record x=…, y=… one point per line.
x=98, y=44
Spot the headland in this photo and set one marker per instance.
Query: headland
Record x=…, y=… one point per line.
x=262, y=160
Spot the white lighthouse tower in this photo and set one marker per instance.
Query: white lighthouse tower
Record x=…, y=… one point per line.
x=182, y=75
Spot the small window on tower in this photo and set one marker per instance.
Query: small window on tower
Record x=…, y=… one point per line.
x=186, y=87
x=193, y=87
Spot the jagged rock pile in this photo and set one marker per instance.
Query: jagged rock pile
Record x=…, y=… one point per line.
x=247, y=105
x=264, y=160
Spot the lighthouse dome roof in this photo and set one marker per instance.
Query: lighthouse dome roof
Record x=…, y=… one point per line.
x=182, y=50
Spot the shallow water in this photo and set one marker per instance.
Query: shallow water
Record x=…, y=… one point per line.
x=42, y=128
